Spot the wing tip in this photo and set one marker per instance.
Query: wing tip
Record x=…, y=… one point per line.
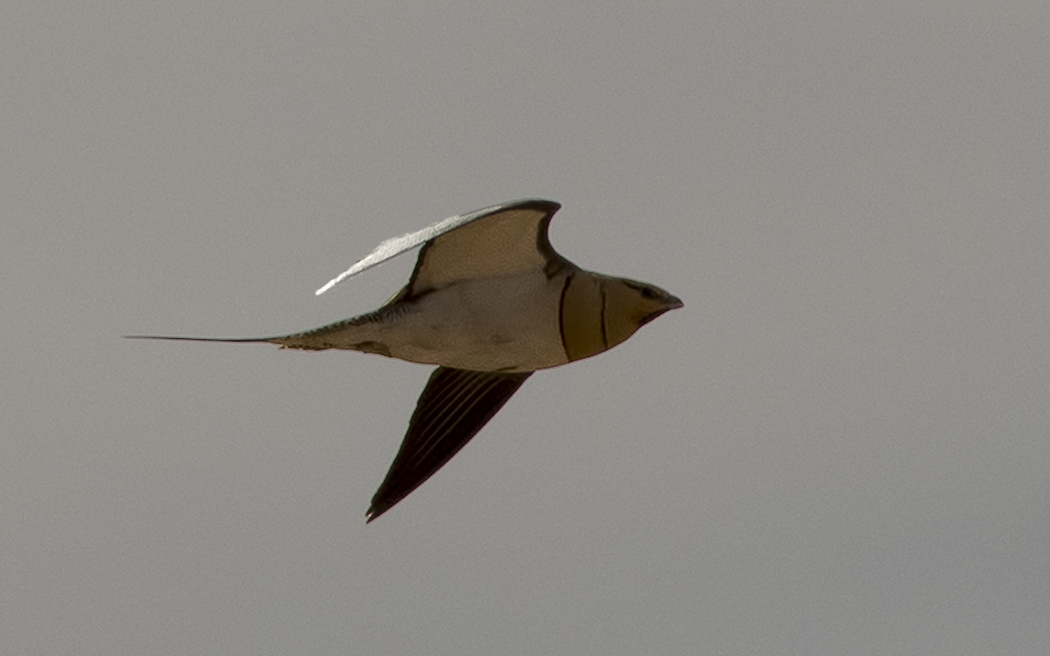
x=376, y=510
x=544, y=204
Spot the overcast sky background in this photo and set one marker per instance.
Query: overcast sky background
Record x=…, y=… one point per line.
x=841, y=445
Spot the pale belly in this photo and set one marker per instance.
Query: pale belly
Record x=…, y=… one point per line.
x=506, y=324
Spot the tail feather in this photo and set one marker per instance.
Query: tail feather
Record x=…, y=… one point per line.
x=259, y=340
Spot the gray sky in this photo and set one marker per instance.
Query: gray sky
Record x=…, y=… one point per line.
x=839, y=446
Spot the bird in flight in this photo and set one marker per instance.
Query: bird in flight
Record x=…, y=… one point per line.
x=489, y=302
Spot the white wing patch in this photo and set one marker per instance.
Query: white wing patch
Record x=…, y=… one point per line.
x=391, y=248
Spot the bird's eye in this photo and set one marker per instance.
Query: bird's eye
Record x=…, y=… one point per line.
x=649, y=293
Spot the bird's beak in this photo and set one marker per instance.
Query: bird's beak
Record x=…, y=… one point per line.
x=669, y=303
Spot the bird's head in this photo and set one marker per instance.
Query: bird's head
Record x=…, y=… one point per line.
x=630, y=304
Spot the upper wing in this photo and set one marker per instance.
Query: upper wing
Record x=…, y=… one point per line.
x=453, y=407
x=513, y=236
